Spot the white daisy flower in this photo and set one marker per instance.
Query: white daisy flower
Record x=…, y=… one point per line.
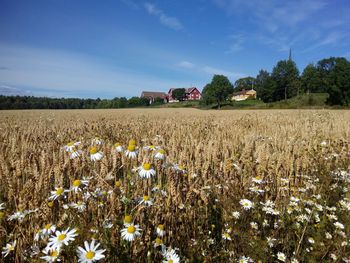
x=311, y=240
x=150, y=148
x=69, y=147
x=170, y=256
x=8, y=248
x=146, y=200
x=96, y=141
x=48, y=229
x=90, y=253
x=160, y=154
x=62, y=238
x=118, y=147
x=236, y=214
x=226, y=236
x=127, y=221
x=59, y=192
x=19, y=215
x=339, y=225
x=95, y=155
x=130, y=232
x=78, y=184
x=281, y=256
x=294, y=260
x=131, y=152
x=80, y=206
x=51, y=254
x=158, y=242
x=257, y=179
x=160, y=230
x=145, y=171
x=75, y=153
x=244, y=259
x=2, y=206
x=247, y=205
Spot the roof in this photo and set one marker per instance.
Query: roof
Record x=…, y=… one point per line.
x=187, y=90
x=153, y=94
x=243, y=92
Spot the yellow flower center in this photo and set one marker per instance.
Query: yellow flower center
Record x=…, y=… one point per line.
x=90, y=255
x=118, y=183
x=146, y=166
x=226, y=235
x=70, y=144
x=161, y=151
x=76, y=183
x=61, y=237
x=131, y=229
x=47, y=227
x=11, y=248
x=50, y=204
x=54, y=253
x=117, y=144
x=161, y=227
x=131, y=147
x=170, y=260
x=132, y=142
x=59, y=191
x=181, y=167
x=159, y=241
x=146, y=198
x=128, y=219
x=93, y=150
x=2, y=215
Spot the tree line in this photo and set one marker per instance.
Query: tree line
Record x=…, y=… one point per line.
x=29, y=102
x=330, y=75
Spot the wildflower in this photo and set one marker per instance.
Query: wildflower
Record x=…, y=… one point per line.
x=150, y=148
x=145, y=171
x=95, y=155
x=244, y=259
x=179, y=168
x=160, y=230
x=74, y=154
x=130, y=232
x=170, y=256
x=69, y=147
x=226, y=236
x=59, y=192
x=160, y=155
x=328, y=235
x=257, y=179
x=271, y=241
x=19, y=215
x=8, y=248
x=90, y=253
x=158, y=242
x=254, y=225
x=62, y=238
x=127, y=220
x=118, y=147
x=80, y=206
x=146, y=200
x=339, y=225
x=118, y=184
x=77, y=184
x=2, y=206
x=247, y=205
x=131, y=152
x=51, y=254
x=281, y=256
x=48, y=229
x=294, y=261
x=97, y=141
x=311, y=240
x=107, y=224
x=236, y=214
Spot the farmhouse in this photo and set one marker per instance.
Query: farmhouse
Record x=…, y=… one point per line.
x=243, y=95
x=191, y=94
x=152, y=95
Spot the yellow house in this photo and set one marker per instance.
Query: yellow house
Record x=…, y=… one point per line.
x=243, y=95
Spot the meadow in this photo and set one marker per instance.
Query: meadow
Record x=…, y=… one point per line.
x=175, y=185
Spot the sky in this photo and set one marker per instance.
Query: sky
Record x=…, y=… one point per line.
x=115, y=48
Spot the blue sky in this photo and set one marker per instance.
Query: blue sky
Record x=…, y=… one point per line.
x=113, y=48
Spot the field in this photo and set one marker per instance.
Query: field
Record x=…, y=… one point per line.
x=203, y=186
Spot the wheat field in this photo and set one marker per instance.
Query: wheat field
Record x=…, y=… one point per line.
x=175, y=185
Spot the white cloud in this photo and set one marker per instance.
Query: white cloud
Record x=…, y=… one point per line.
x=217, y=71
x=236, y=43
x=12, y=91
x=168, y=21
x=186, y=64
x=47, y=72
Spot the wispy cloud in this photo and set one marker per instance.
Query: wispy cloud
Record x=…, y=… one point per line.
x=168, y=21
x=236, y=43
x=217, y=71
x=12, y=91
x=56, y=73
x=186, y=64
x=131, y=3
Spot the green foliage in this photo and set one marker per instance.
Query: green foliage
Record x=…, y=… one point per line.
x=264, y=86
x=218, y=90
x=179, y=94
x=245, y=83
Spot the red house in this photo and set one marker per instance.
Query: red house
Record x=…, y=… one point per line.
x=191, y=94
